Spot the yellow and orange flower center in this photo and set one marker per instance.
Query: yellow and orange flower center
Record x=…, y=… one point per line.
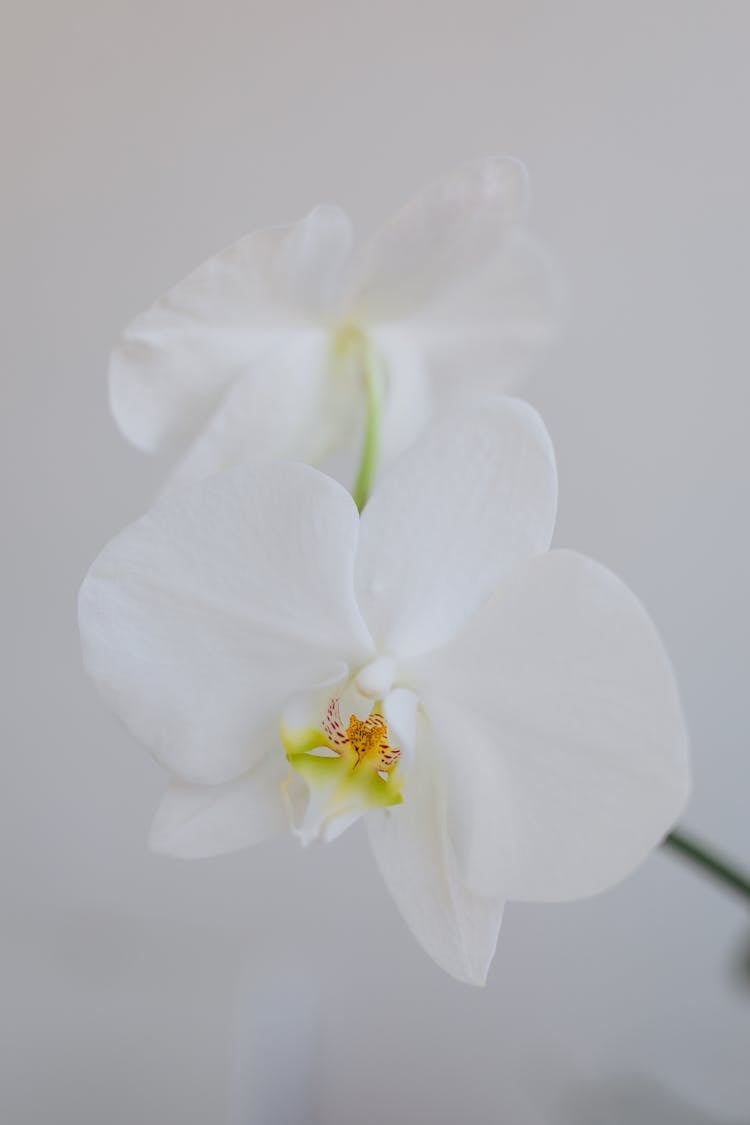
x=347, y=769
x=367, y=738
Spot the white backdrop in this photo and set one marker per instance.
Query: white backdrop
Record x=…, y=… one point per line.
x=277, y=987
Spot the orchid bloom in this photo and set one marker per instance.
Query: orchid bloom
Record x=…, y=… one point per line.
x=269, y=349
x=502, y=717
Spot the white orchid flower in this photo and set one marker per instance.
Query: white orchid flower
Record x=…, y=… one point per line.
x=503, y=717
x=268, y=349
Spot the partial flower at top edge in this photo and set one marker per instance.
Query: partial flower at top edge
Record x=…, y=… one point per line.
x=263, y=352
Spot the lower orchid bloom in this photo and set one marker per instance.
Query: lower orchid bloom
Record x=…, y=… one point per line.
x=270, y=348
x=502, y=717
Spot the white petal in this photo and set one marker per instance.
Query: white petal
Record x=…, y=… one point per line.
x=479, y=808
x=482, y=336
x=456, y=927
x=204, y=820
x=476, y=495
x=446, y=233
x=288, y=406
x=172, y=364
x=199, y=620
x=308, y=268
x=407, y=406
x=568, y=758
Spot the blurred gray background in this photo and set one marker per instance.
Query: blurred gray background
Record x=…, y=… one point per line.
x=275, y=987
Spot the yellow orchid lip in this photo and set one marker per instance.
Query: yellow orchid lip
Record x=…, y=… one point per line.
x=348, y=768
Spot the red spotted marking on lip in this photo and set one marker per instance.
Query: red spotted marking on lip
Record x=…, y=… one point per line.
x=366, y=737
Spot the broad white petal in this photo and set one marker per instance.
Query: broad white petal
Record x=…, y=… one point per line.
x=306, y=269
x=476, y=495
x=560, y=717
x=200, y=619
x=289, y=405
x=446, y=233
x=479, y=808
x=173, y=362
x=412, y=848
x=204, y=820
x=484, y=335
x=407, y=405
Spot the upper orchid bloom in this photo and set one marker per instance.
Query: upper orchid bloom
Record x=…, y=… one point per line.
x=503, y=717
x=264, y=350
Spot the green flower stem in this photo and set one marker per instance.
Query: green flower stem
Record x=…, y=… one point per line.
x=373, y=388
x=709, y=862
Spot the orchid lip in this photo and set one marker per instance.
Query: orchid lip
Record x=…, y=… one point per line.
x=343, y=756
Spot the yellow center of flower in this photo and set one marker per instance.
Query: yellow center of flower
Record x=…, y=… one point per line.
x=368, y=738
x=348, y=769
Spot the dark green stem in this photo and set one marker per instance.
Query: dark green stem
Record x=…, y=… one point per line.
x=710, y=862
